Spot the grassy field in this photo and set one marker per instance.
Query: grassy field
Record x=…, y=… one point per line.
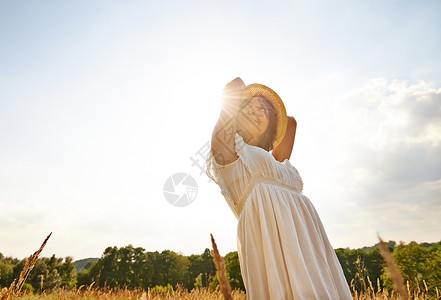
x=222, y=291
x=203, y=293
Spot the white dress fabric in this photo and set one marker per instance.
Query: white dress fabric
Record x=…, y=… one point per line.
x=283, y=249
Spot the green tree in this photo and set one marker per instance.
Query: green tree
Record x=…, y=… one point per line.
x=200, y=266
x=149, y=274
x=233, y=271
x=68, y=273
x=104, y=272
x=6, y=273
x=44, y=275
x=359, y=264
x=83, y=276
x=417, y=263
x=172, y=268
x=132, y=267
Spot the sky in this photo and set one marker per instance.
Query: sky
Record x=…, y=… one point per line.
x=102, y=101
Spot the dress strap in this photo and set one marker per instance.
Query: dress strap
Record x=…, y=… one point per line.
x=260, y=179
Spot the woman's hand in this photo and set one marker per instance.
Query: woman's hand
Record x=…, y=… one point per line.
x=234, y=85
x=232, y=96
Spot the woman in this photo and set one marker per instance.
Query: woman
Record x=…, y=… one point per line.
x=284, y=252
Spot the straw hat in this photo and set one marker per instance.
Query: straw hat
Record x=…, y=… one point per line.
x=257, y=89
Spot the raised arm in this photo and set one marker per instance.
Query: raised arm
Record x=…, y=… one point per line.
x=284, y=149
x=222, y=139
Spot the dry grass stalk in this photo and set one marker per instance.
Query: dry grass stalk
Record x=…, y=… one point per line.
x=221, y=271
x=29, y=265
x=359, y=264
x=395, y=274
x=371, y=287
x=8, y=291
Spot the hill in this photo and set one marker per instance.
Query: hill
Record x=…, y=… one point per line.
x=81, y=264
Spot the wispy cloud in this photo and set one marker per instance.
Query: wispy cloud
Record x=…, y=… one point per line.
x=391, y=136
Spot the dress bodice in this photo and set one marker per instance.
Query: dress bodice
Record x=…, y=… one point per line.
x=254, y=165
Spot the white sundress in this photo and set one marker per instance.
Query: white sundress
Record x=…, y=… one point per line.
x=283, y=249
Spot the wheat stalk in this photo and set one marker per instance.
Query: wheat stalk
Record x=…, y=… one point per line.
x=221, y=271
x=395, y=274
x=29, y=265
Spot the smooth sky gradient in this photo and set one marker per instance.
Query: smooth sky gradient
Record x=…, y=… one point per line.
x=102, y=101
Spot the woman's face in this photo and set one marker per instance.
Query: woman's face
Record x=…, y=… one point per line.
x=253, y=118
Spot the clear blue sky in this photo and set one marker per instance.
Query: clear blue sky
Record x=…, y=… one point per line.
x=102, y=101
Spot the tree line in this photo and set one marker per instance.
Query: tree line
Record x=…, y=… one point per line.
x=132, y=267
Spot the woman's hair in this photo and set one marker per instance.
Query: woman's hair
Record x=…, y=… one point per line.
x=267, y=139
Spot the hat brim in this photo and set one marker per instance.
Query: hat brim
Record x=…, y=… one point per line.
x=257, y=89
